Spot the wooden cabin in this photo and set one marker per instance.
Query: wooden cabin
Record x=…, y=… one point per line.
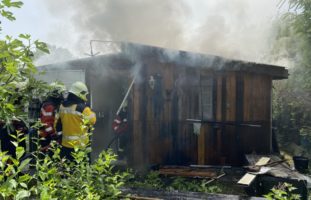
x=184, y=108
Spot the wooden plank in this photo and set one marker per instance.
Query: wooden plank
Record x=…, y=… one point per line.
x=137, y=144
x=167, y=90
x=211, y=153
x=137, y=134
x=249, y=136
x=257, y=109
x=135, y=197
x=247, y=179
x=201, y=145
x=136, y=102
x=224, y=158
x=231, y=97
x=262, y=161
x=152, y=140
x=219, y=99
x=188, y=172
x=269, y=112
x=188, y=143
x=159, y=128
x=231, y=138
x=259, y=97
x=239, y=115
x=247, y=97
x=239, y=96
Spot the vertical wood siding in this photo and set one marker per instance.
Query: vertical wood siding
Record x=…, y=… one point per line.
x=161, y=134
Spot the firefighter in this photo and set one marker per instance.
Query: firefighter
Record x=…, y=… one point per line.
x=71, y=113
x=120, y=127
x=49, y=114
x=120, y=124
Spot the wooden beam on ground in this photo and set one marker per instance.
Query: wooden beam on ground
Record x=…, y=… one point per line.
x=161, y=194
x=216, y=178
x=135, y=197
x=188, y=172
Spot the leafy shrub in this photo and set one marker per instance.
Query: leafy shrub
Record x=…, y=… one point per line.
x=79, y=179
x=282, y=192
x=182, y=184
x=56, y=178
x=153, y=181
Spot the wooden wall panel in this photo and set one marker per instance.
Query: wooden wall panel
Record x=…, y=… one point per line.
x=168, y=84
x=168, y=138
x=202, y=145
x=231, y=96
x=137, y=138
x=219, y=98
x=230, y=134
x=218, y=106
x=257, y=110
x=158, y=133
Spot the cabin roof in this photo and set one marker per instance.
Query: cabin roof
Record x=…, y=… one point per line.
x=131, y=53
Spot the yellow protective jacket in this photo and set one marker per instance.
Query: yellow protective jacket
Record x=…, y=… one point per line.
x=71, y=119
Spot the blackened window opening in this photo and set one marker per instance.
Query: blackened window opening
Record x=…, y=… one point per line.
x=206, y=97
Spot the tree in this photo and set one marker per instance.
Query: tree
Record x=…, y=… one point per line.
x=16, y=66
x=292, y=98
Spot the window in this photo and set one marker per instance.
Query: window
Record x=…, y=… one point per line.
x=206, y=97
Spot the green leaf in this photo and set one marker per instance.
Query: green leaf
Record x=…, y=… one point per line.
x=10, y=107
x=42, y=175
x=24, y=164
x=7, y=14
x=45, y=195
x=19, y=152
x=22, y=194
x=17, y=4
x=11, y=68
x=24, y=178
x=24, y=185
x=14, y=143
x=42, y=46
x=25, y=36
x=7, y=3
x=13, y=183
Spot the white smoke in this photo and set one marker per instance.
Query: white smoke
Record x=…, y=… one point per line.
x=240, y=29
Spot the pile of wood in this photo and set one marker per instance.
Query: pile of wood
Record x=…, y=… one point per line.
x=266, y=172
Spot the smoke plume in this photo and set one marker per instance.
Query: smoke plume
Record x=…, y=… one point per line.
x=239, y=29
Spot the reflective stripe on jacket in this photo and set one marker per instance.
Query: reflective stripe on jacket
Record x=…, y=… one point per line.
x=47, y=117
x=71, y=119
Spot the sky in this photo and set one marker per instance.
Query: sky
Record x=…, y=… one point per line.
x=239, y=29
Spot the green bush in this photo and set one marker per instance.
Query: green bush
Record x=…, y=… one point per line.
x=282, y=192
x=57, y=178
x=153, y=181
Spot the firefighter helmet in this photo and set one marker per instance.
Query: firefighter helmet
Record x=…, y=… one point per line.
x=56, y=89
x=80, y=90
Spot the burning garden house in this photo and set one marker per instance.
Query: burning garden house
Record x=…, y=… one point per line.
x=184, y=108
